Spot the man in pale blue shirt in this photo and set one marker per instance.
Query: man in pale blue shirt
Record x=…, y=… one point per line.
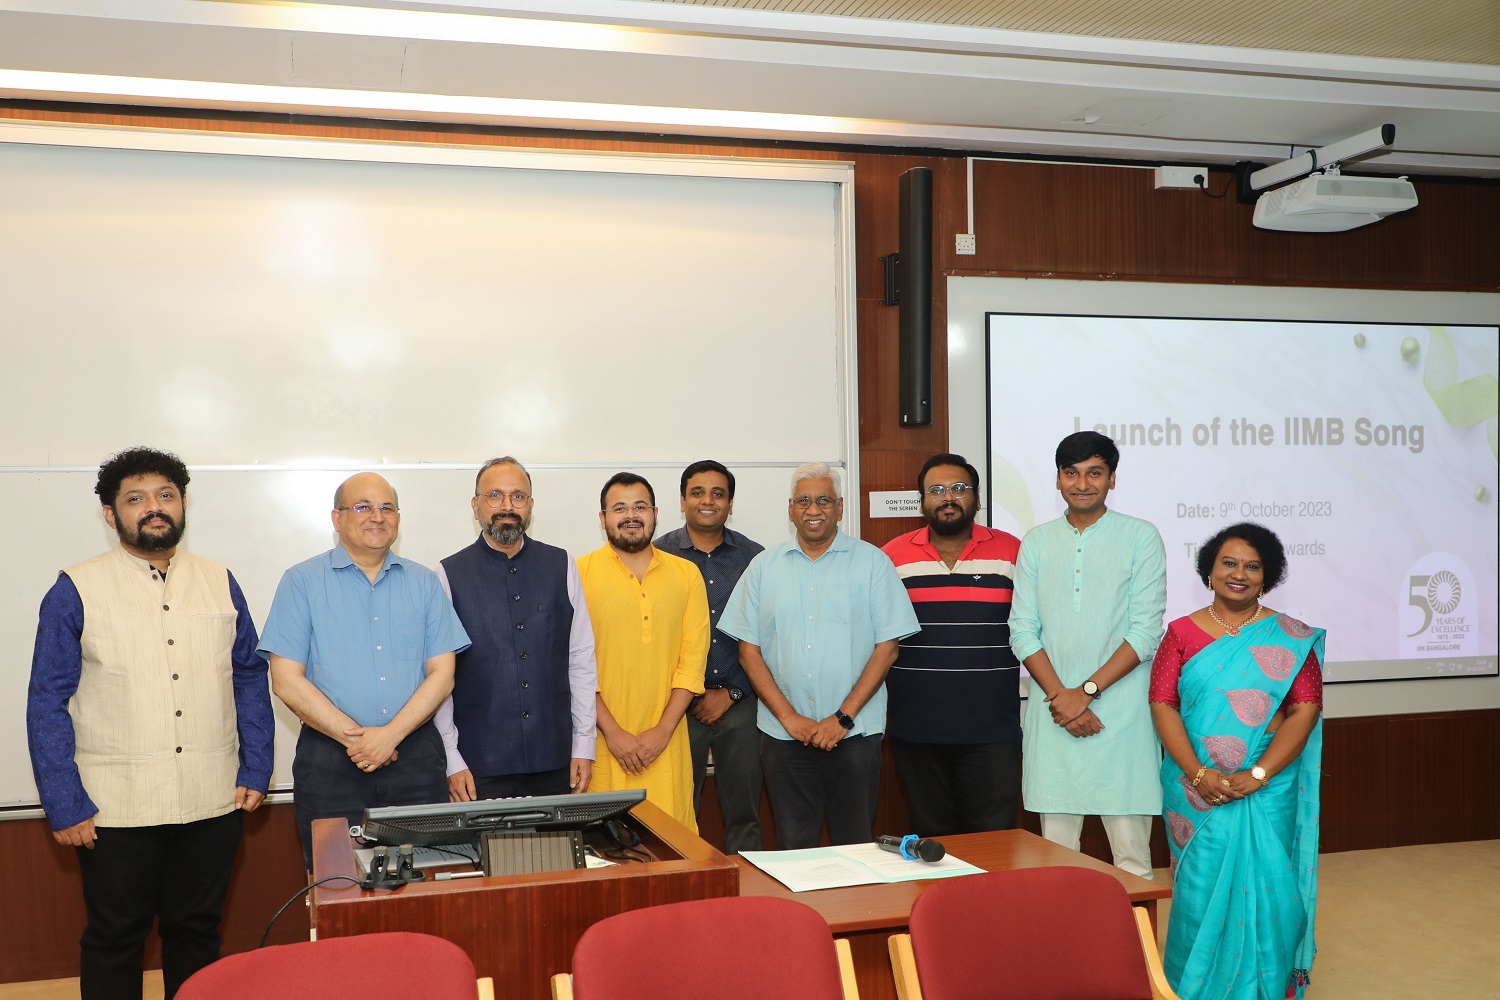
x=819, y=619
x=1087, y=611
x=362, y=646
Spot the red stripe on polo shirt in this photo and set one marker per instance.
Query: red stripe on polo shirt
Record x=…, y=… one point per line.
x=987, y=595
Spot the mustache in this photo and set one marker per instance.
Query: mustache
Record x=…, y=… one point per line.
x=165, y=518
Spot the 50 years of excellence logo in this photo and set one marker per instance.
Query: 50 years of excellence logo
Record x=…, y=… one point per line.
x=1438, y=608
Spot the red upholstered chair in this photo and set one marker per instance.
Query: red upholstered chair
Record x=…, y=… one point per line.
x=1028, y=934
x=367, y=966
x=763, y=948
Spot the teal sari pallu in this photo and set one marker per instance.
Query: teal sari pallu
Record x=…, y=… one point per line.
x=1245, y=874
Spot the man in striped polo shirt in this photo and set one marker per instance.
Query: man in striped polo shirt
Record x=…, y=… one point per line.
x=954, y=692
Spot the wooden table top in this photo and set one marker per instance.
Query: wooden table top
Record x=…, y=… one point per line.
x=887, y=906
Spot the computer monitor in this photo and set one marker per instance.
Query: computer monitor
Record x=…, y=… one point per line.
x=459, y=822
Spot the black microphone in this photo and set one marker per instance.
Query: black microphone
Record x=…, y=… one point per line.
x=391, y=870
x=912, y=848
x=378, y=873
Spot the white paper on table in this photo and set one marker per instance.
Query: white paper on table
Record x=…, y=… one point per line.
x=857, y=864
x=895, y=868
x=814, y=868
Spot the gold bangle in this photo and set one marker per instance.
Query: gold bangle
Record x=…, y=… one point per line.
x=1199, y=776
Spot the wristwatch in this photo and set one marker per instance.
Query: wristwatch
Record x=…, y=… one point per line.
x=735, y=694
x=1259, y=774
x=847, y=721
x=1092, y=690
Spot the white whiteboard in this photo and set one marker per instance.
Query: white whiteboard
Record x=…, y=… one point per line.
x=282, y=312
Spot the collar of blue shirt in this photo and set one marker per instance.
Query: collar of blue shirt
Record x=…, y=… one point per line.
x=339, y=558
x=841, y=543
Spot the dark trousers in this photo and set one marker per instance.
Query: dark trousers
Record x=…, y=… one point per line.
x=327, y=784
x=959, y=787
x=735, y=743
x=807, y=785
x=510, y=786
x=176, y=874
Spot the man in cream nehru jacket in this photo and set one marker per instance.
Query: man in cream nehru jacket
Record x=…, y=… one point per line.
x=150, y=730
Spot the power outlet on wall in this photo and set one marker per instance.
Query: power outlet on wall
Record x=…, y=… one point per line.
x=963, y=243
x=1188, y=178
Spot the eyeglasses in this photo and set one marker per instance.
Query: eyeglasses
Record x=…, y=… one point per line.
x=366, y=509
x=495, y=498
x=822, y=501
x=638, y=508
x=957, y=491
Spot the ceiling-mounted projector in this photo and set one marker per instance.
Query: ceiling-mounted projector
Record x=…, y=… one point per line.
x=1331, y=203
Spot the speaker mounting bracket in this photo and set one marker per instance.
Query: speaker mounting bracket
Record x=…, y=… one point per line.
x=892, y=262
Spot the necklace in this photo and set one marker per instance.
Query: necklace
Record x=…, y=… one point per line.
x=1233, y=629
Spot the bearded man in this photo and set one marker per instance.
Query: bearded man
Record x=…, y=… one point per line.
x=955, y=700
x=651, y=630
x=520, y=720
x=150, y=730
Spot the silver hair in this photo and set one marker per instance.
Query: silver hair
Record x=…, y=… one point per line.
x=502, y=460
x=817, y=470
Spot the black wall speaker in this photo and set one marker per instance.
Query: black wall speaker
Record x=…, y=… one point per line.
x=910, y=271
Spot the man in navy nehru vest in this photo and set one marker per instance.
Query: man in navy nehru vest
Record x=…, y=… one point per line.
x=521, y=717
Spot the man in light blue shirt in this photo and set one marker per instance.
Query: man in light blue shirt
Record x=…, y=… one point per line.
x=818, y=619
x=1087, y=611
x=362, y=646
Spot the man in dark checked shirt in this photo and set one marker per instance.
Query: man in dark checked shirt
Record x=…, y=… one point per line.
x=722, y=719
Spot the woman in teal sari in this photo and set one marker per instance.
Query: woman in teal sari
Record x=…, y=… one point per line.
x=1236, y=692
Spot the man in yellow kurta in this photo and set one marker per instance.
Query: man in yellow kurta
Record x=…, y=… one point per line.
x=651, y=632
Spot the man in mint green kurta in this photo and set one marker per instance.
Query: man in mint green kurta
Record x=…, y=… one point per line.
x=1089, y=596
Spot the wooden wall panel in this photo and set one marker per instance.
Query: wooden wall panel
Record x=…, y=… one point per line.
x=1394, y=780
x=890, y=454
x=41, y=917
x=1388, y=781
x=1110, y=222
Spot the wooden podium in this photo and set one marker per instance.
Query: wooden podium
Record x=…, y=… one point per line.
x=519, y=929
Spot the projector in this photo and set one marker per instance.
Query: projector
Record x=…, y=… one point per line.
x=1331, y=203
